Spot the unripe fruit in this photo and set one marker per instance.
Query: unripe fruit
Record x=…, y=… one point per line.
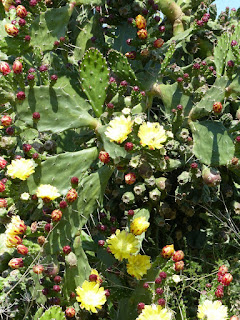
x=158, y=43
x=72, y=195
x=130, y=178
x=179, y=265
x=178, y=255
x=6, y=120
x=38, y=269
x=36, y=115
x=56, y=215
x=70, y=312
x=16, y=263
x=67, y=249
x=4, y=68
x=142, y=34
x=167, y=251
x=104, y=157
x=21, y=249
x=141, y=22
x=21, y=11
x=217, y=107
x=227, y=279
x=11, y=29
x=211, y=177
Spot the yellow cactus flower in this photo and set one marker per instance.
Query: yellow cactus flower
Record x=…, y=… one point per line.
x=47, y=192
x=153, y=135
x=119, y=129
x=212, y=310
x=141, y=22
x=168, y=251
x=21, y=168
x=91, y=296
x=122, y=244
x=138, y=265
x=139, y=225
x=16, y=226
x=12, y=240
x=153, y=312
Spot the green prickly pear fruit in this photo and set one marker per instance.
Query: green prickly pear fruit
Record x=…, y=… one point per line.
x=236, y=207
x=150, y=182
x=71, y=260
x=155, y=194
x=184, y=178
x=163, y=184
x=145, y=170
x=128, y=198
x=211, y=177
x=238, y=114
x=139, y=188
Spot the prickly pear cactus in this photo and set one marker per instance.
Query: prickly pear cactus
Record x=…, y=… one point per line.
x=119, y=165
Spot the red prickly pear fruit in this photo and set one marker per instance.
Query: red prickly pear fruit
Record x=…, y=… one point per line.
x=158, y=280
x=74, y=180
x=70, y=312
x=163, y=275
x=54, y=77
x=10, y=131
x=234, y=43
x=21, y=95
x=211, y=177
x=161, y=302
x=35, y=156
x=158, y=43
x=67, y=249
x=21, y=249
x=21, y=11
x=36, y=115
x=219, y=293
x=11, y=29
x=146, y=285
x=128, y=146
x=130, y=178
x=72, y=195
x=48, y=227
x=178, y=255
x=93, y=277
x=4, y=68
x=22, y=22
x=56, y=288
x=57, y=279
x=141, y=22
x=140, y=306
x=159, y=291
x=161, y=28
x=26, y=147
x=142, y=34
x=6, y=120
x=63, y=204
x=131, y=55
x=110, y=105
x=104, y=157
x=217, y=107
x=227, y=279
x=27, y=38
x=101, y=243
x=107, y=293
x=56, y=215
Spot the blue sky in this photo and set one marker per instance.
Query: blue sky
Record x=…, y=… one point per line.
x=222, y=4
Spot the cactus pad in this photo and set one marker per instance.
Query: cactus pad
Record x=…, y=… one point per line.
x=94, y=76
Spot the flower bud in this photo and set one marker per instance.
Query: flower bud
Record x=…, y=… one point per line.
x=158, y=43
x=3, y=203
x=167, y=251
x=130, y=178
x=141, y=22
x=178, y=255
x=179, y=265
x=70, y=312
x=223, y=269
x=139, y=225
x=3, y=163
x=217, y=107
x=104, y=157
x=72, y=195
x=6, y=120
x=21, y=249
x=56, y=215
x=4, y=68
x=12, y=240
x=67, y=249
x=11, y=29
x=142, y=34
x=2, y=186
x=227, y=279
x=21, y=11
x=17, y=66
x=38, y=269
x=16, y=263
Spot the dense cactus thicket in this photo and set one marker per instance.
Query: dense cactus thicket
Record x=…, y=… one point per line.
x=120, y=171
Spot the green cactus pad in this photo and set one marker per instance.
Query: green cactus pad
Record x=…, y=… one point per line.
x=48, y=27
x=215, y=94
x=89, y=28
x=168, y=56
x=212, y=144
x=55, y=313
x=59, y=108
x=94, y=76
x=220, y=53
x=58, y=170
x=75, y=275
x=89, y=2
x=120, y=66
